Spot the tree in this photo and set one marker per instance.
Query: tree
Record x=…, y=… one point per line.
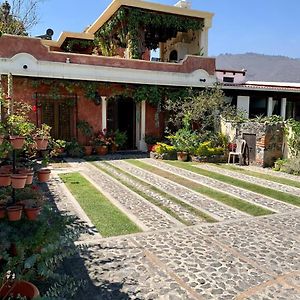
x=203, y=108
x=19, y=16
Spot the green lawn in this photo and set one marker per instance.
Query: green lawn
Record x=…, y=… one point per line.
x=281, y=196
x=191, y=209
x=237, y=203
x=106, y=217
x=269, y=177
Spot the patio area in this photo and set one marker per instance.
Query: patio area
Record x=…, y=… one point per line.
x=227, y=251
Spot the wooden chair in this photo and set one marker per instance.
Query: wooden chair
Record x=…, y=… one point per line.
x=240, y=147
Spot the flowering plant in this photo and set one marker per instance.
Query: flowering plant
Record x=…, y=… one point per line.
x=101, y=138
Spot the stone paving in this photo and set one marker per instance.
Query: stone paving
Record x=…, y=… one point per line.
x=251, y=179
x=218, y=210
x=238, y=258
x=241, y=193
x=183, y=213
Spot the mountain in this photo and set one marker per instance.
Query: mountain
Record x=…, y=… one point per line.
x=262, y=67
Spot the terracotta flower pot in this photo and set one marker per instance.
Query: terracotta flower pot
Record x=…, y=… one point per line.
x=29, y=174
x=101, y=150
x=22, y=288
x=18, y=181
x=5, y=179
x=1, y=139
x=88, y=150
x=6, y=169
x=41, y=143
x=17, y=141
x=114, y=148
x=44, y=175
x=182, y=156
x=2, y=212
x=32, y=213
x=14, y=213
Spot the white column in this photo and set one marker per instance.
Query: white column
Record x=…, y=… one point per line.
x=283, y=108
x=243, y=105
x=203, y=41
x=143, y=146
x=138, y=125
x=104, y=112
x=270, y=107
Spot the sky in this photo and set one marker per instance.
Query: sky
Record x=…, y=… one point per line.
x=259, y=26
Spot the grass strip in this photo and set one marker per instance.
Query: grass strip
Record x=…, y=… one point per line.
x=269, y=177
x=106, y=217
x=278, y=195
x=144, y=195
x=237, y=203
x=196, y=212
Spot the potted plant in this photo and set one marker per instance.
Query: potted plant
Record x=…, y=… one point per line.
x=41, y=136
x=5, y=179
x=151, y=140
x=19, y=128
x=87, y=131
x=14, y=213
x=118, y=140
x=18, y=289
x=101, y=142
x=43, y=174
x=32, y=209
x=29, y=173
x=18, y=181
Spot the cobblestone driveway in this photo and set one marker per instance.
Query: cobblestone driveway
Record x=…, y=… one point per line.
x=242, y=257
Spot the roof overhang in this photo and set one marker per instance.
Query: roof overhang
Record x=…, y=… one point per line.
x=116, y=4
x=64, y=35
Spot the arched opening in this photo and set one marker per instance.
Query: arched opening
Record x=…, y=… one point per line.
x=173, y=56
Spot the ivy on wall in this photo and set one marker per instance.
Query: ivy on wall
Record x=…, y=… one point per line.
x=153, y=94
x=129, y=25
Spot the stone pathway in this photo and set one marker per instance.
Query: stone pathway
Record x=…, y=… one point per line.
x=247, y=178
x=214, y=208
x=246, y=195
x=237, y=258
x=145, y=214
x=183, y=213
x=270, y=172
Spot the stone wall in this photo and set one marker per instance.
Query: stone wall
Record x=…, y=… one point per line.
x=269, y=141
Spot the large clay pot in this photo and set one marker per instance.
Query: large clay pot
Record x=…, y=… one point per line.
x=102, y=150
x=22, y=288
x=16, y=141
x=41, y=143
x=18, y=181
x=32, y=213
x=182, y=156
x=44, y=175
x=5, y=179
x=88, y=150
x=14, y=213
x=114, y=148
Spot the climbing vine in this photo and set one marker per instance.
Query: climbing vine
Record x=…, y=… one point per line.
x=293, y=136
x=76, y=45
x=127, y=27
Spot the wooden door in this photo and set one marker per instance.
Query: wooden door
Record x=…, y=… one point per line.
x=251, y=142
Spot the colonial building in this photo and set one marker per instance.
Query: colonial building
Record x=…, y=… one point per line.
x=94, y=75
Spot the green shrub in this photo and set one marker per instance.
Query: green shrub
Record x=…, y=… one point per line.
x=206, y=149
x=162, y=148
x=279, y=164
x=291, y=166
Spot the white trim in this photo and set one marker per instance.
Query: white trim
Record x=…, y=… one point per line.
x=58, y=70
x=243, y=105
x=283, y=108
x=264, y=89
x=104, y=112
x=270, y=107
x=143, y=146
